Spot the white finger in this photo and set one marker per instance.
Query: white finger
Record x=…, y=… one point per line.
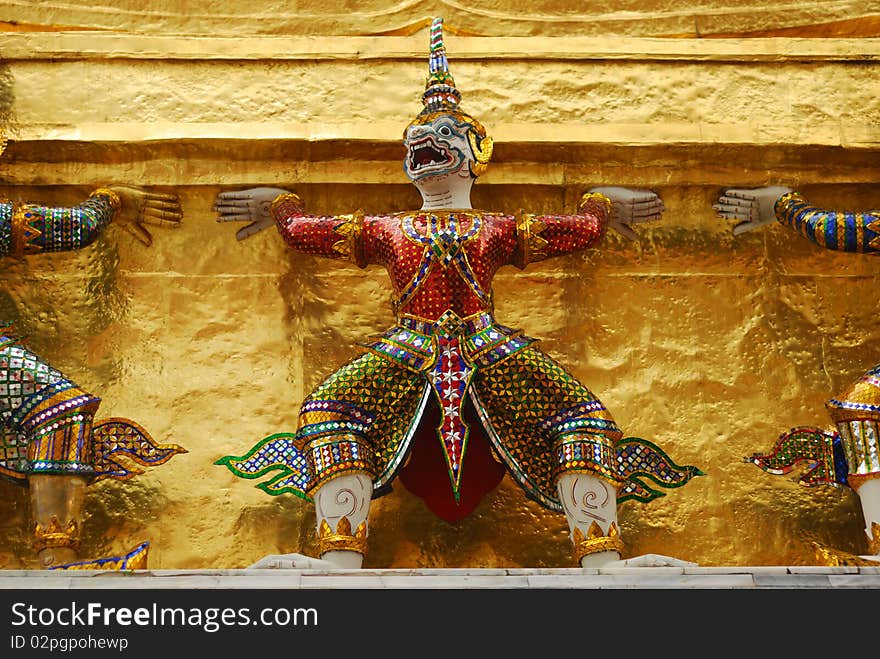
x=637, y=199
x=231, y=205
x=652, y=209
x=249, y=230
x=235, y=217
x=740, y=193
x=735, y=216
x=234, y=195
x=746, y=211
x=139, y=232
x=736, y=201
x=744, y=227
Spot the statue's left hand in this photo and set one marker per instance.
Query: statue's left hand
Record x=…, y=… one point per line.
x=141, y=208
x=629, y=206
x=253, y=206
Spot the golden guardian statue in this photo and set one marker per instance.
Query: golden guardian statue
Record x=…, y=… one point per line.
x=449, y=399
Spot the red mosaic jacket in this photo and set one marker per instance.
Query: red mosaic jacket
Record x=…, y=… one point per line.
x=442, y=260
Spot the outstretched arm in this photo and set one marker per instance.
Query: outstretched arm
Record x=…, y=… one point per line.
x=543, y=236
x=332, y=236
x=846, y=231
x=842, y=230
x=34, y=228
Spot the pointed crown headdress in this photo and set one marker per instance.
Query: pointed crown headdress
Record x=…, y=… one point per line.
x=440, y=90
x=441, y=96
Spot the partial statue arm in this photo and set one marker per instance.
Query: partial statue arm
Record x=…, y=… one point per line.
x=543, y=236
x=842, y=230
x=630, y=207
x=845, y=231
x=34, y=228
x=332, y=236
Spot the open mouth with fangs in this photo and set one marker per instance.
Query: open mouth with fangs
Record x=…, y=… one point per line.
x=427, y=154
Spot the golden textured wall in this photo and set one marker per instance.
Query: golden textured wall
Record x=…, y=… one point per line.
x=707, y=344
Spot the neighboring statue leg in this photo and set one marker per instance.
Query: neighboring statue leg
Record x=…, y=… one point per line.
x=869, y=495
x=61, y=441
x=342, y=505
x=56, y=516
x=590, y=504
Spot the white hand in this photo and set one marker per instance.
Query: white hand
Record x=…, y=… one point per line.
x=247, y=206
x=750, y=207
x=629, y=206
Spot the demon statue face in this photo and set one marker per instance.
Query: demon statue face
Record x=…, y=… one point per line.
x=446, y=149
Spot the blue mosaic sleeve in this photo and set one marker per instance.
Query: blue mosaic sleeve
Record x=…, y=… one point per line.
x=37, y=228
x=845, y=231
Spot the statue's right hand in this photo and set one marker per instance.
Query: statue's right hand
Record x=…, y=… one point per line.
x=250, y=206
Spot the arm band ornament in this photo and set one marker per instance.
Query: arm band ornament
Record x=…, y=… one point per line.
x=845, y=231
x=351, y=246
x=592, y=201
x=113, y=199
x=286, y=197
x=530, y=246
x=37, y=228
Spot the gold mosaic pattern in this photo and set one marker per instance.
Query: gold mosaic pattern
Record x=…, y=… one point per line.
x=342, y=539
x=530, y=246
x=517, y=395
x=351, y=246
x=333, y=456
x=66, y=440
x=595, y=541
x=390, y=392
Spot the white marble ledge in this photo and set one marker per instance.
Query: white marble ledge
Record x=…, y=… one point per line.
x=710, y=577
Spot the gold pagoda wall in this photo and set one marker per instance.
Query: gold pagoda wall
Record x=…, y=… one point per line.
x=708, y=344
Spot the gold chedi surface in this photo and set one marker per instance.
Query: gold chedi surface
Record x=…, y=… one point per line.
x=708, y=344
x=654, y=18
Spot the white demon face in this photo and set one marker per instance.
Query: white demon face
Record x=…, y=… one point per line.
x=437, y=149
